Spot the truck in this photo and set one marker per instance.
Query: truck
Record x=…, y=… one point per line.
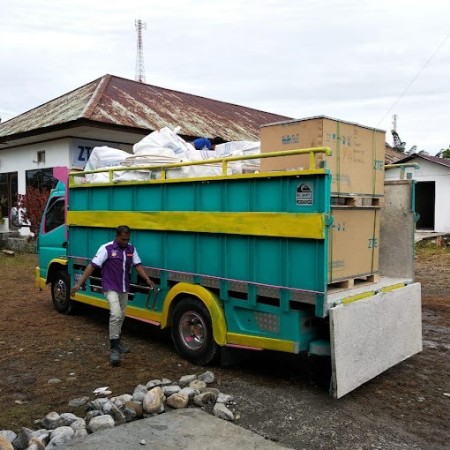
x=241, y=261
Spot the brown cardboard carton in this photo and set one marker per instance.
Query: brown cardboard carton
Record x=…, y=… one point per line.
x=357, y=160
x=353, y=243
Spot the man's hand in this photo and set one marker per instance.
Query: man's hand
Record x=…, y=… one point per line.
x=74, y=290
x=151, y=284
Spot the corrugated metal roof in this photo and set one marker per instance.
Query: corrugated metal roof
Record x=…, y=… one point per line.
x=435, y=159
x=392, y=155
x=120, y=102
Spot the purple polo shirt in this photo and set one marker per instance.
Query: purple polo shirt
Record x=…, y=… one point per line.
x=116, y=264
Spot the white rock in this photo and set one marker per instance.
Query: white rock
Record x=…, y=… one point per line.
x=207, y=377
x=142, y=442
x=66, y=430
x=77, y=402
x=51, y=420
x=220, y=410
x=120, y=400
x=82, y=432
x=205, y=398
x=139, y=393
x=186, y=379
x=178, y=400
x=78, y=424
x=224, y=398
x=165, y=382
x=118, y=416
x=191, y=393
x=197, y=384
x=153, y=383
x=67, y=419
x=100, y=423
x=8, y=434
x=153, y=400
x=5, y=444
x=170, y=390
x=58, y=441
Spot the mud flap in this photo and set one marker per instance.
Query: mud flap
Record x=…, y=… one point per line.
x=371, y=335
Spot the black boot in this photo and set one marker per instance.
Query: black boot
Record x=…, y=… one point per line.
x=115, y=352
x=123, y=348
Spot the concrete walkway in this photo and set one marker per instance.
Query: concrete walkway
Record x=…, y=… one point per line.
x=179, y=429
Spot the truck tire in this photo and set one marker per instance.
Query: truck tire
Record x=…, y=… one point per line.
x=192, y=332
x=61, y=293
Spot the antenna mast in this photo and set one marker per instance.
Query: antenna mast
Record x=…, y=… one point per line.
x=140, y=70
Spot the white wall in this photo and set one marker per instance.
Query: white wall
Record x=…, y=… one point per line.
x=68, y=152
x=21, y=159
x=430, y=171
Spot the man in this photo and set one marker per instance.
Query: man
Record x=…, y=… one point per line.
x=115, y=259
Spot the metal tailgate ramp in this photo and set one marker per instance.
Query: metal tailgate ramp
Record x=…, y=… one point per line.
x=369, y=336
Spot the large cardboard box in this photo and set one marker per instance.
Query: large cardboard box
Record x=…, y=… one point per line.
x=357, y=160
x=353, y=243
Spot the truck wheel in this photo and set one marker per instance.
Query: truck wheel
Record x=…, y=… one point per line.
x=192, y=332
x=61, y=293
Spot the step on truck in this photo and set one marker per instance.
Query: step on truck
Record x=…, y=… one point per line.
x=242, y=261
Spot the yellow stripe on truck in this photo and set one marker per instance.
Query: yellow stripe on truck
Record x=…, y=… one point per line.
x=258, y=342
x=307, y=226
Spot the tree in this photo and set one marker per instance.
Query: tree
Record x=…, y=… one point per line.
x=34, y=203
x=444, y=153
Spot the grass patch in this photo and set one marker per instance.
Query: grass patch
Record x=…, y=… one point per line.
x=19, y=260
x=428, y=247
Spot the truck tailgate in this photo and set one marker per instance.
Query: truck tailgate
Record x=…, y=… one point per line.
x=370, y=335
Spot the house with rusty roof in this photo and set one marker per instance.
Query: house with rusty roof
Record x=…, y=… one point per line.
x=115, y=112
x=432, y=177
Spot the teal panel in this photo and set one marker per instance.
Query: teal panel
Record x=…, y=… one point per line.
x=269, y=266
x=235, y=198
x=99, y=198
x=269, y=322
x=268, y=196
x=305, y=264
x=150, y=246
x=179, y=197
x=120, y=199
x=208, y=256
x=149, y=197
x=238, y=264
x=179, y=251
x=209, y=196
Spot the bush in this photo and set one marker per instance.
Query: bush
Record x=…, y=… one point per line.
x=34, y=202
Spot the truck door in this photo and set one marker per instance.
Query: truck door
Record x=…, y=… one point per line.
x=52, y=240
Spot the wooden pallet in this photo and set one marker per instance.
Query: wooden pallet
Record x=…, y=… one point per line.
x=351, y=283
x=357, y=201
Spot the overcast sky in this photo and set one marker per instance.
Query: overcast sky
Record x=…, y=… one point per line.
x=356, y=60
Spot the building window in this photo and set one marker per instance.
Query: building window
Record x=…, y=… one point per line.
x=409, y=175
x=41, y=179
x=41, y=157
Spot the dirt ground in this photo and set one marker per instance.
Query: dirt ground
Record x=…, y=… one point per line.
x=407, y=407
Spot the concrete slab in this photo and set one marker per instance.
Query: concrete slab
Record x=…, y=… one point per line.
x=373, y=334
x=179, y=429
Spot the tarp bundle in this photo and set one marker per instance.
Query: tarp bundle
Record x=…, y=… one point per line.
x=162, y=148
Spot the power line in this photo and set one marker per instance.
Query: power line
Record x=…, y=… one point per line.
x=415, y=78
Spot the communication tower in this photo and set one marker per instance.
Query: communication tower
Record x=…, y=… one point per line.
x=140, y=70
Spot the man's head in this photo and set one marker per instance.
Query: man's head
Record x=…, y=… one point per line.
x=123, y=235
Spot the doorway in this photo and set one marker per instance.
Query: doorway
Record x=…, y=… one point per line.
x=8, y=192
x=425, y=204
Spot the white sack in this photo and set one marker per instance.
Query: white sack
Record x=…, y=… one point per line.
x=163, y=138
